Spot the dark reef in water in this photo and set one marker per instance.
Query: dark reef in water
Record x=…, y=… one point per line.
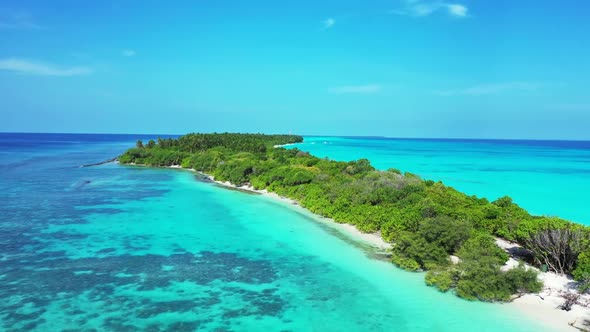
x=44, y=277
x=35, y=278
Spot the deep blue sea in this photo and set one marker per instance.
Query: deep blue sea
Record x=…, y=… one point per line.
x=119, y=248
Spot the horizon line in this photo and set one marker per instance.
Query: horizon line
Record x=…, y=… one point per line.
x=315, y=135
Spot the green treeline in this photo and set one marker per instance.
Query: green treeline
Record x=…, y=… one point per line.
x=426, y=221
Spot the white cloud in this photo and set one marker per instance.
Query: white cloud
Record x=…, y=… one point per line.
x=421, y=8
x=356, y=89
x=128, y=53
x=495, y=88
x=36, y=68
x=329, y=22
x=457, y=10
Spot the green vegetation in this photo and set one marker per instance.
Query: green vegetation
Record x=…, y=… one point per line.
x=582, y=271
x=478, y=275
x=425, y=221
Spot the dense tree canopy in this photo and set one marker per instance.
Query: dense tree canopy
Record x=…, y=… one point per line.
x=426, y=221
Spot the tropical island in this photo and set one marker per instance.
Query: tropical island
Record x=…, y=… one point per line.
x=431, y=227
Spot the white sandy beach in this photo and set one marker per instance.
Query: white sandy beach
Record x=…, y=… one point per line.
x=542, y=307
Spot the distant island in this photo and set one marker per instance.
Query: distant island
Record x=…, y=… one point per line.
x=432, y=227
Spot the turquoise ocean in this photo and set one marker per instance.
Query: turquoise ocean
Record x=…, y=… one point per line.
x=545, y=177
x=116, y=248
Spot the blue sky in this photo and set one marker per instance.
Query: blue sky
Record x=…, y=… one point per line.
x=399, y=68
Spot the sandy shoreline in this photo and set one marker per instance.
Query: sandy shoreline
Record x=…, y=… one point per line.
x=541, y=307
x=544, y=305
x=372, y=239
